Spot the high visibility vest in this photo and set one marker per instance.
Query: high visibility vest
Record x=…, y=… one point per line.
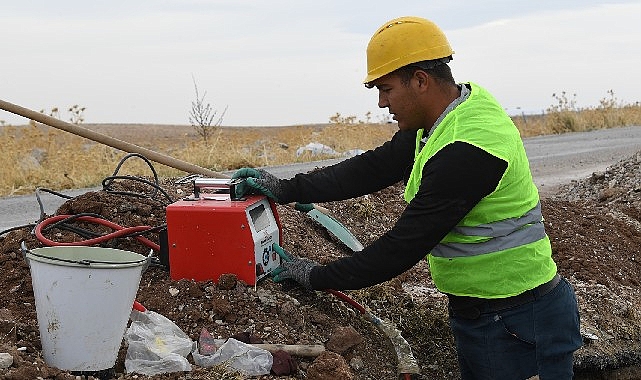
x=500, y=248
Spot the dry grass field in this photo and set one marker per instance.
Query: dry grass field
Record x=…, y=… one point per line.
x=42, y=156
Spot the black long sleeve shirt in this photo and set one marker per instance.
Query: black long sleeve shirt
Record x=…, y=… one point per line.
x=454, y=180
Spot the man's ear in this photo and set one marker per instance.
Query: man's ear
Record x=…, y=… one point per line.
x=421, y=78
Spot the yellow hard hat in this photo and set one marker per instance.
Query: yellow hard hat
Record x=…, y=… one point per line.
x=402, y=41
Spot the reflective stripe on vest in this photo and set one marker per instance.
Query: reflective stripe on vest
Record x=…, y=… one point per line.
x=504, y=234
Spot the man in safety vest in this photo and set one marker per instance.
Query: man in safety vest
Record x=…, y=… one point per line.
x=473, y=210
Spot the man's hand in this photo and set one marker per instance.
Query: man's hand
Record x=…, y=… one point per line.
x=258, y=181
x=294, y=268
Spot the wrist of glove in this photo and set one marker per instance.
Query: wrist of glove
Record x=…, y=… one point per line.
x=293, y=268
x=258, y=181
x=298, y=270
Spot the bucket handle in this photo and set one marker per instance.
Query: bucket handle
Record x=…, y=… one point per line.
x=25, y=250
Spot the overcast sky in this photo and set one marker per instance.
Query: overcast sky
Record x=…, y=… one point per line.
x=289, y=62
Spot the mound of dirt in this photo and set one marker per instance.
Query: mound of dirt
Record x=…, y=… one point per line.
x=593, y=225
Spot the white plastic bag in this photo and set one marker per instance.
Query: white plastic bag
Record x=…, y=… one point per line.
x=250, y=360
x=156, y=345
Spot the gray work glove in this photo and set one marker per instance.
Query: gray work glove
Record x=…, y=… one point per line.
x=293, y=268
x=258, y=181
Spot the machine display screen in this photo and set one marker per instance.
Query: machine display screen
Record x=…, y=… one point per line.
x=260, y=217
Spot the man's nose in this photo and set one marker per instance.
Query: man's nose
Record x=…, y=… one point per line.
x=382, y=100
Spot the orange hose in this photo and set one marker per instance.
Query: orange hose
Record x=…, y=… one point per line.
x=119, y=231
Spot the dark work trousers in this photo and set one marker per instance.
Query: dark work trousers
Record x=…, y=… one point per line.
x=538, y=337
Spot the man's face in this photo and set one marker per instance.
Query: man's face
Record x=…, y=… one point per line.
x=401, y=100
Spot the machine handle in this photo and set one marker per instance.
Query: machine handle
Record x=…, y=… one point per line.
x=220, y=185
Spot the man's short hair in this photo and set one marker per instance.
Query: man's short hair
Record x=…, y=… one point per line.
x=438, y=68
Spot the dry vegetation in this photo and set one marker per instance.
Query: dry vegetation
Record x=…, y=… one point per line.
x=46, y=157
x=564, y=116
x=41, y=156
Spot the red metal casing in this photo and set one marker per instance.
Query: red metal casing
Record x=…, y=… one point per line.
x=211, y=236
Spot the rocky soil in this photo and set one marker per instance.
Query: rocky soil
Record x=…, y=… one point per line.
x=594, y=225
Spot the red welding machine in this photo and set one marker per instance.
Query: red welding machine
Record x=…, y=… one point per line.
x=212, y=232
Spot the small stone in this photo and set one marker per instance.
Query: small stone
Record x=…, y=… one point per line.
x=344, y=338
x=221, y=306
x=6, y=360
x=357, y=363
x=195, y=291
x=329, y=366
x=227, y=281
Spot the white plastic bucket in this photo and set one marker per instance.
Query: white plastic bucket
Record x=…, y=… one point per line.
x=83, y=301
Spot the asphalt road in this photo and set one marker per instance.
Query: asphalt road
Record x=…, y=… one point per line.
x=554, y=160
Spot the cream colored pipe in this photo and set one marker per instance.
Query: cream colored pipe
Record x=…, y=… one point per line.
x=294, y=349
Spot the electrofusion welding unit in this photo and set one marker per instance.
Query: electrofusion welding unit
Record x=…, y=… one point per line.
x=212, y=232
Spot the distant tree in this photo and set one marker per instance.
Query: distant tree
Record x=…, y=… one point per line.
x=202, y=115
